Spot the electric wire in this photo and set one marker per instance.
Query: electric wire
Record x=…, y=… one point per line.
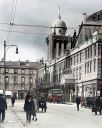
x=21, y=32
x=8, y=35
x=14, y=5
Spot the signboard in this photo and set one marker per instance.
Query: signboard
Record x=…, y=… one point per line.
x=68, y=78
x=98, y=93
x=1, y=91
x=8, y=93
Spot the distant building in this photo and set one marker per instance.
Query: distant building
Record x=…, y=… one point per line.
x=74, y=63
x=19, y=77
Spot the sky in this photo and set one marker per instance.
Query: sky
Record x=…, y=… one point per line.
x=24, y=13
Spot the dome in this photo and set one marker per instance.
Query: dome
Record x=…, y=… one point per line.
x=58, y=23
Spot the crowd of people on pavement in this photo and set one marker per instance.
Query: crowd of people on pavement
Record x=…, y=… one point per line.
x=95, y=104
x=30, y=107
x=33, y=104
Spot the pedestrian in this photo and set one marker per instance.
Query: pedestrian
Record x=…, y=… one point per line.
x=13, y=100
x=98, y=105
x=43, y=104
x=78, y=100
x=28, y=95
x=3, y=107
x=29, y=107
x=36, y=108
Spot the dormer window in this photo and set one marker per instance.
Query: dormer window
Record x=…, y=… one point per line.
x=59, y=31
x=98, y=17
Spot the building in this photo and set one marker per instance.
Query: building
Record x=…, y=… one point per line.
x=19, y=77
x=74, y=63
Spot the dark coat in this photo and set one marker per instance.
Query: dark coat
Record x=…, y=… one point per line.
x=3, y=104
x=29, y=105
x=13, y=99
x=78, y=100
x=98, y=103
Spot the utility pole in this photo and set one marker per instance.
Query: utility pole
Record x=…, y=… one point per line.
x=6, y=47
x=4, y=65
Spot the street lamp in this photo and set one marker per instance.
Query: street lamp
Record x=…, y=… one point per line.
x=6, y=47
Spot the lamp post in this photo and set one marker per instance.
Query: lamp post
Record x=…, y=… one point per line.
x=6, y=47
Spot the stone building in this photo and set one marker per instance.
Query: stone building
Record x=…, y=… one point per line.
x=74, y=63
x=19, y=77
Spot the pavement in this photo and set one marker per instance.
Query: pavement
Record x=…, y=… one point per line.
x=12, y=119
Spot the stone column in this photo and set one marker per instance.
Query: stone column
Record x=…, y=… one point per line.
x=48, y=51
x=50, y=47
x=62, y=49
x=57, y=50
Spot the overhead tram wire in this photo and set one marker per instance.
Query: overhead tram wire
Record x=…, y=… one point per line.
x=8, y=35
x=25, y=25
x=14, y=5
x=4, y=24
x=24, y=32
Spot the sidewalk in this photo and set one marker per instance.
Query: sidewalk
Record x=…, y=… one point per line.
x=15, y=117
x=11, y=120
x=70, y=103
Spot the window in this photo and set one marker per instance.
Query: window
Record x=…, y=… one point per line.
x=15, y=79
x=76, y=73
x=6, y=79
x=99, y=49
x=71, y=61
x=80, y=73
x=15, y=71
x=7, y=70
x=23, y=71
x=77, y=58
x=30, y=71
x=23, y=79
x=90, y=66
x=94, y=65
x=80, y=56
x=59, y=31
x=30, y=79
x=98, y=17
x=74, y=60
x=85, y=68
x=95, y=50
x=90, y=51
x=85, y=53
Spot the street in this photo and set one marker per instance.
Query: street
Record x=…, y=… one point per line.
x=57, y=116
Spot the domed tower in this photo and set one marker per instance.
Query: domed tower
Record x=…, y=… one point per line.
x=57, y=41
x=58, y=27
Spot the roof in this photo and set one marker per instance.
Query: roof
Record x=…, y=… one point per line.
x=97, y=16
x=58, y=23
x=21, y=64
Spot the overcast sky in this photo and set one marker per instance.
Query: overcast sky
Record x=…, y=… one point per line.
x=38, y=12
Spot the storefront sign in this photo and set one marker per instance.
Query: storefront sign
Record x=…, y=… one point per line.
x=98, y=93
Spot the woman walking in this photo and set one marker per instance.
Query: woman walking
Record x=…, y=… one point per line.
x=36, y=108
x=29, y=107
